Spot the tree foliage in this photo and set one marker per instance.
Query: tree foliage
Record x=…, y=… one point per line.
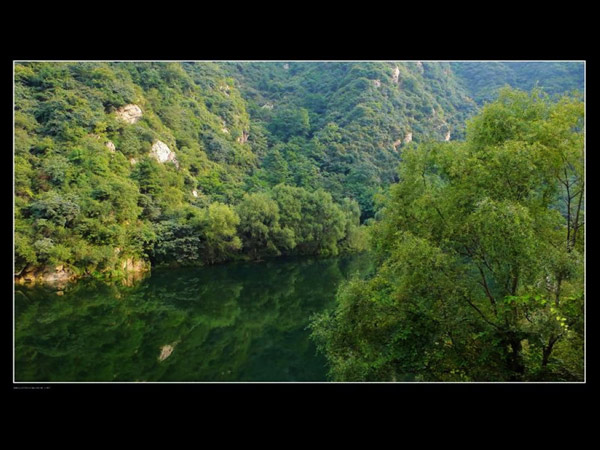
x=480, y=253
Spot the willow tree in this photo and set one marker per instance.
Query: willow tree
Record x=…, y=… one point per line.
x=480, y=248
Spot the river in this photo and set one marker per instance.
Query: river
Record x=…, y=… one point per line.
x=236, y=322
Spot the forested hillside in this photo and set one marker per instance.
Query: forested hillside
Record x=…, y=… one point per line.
x=483, y=80
x=119, y=166
x=342, y=126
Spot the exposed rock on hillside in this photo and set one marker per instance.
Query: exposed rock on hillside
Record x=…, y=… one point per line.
x=407, y=139
x=396, y=74
x=162, y=153
x=224, y=88
x=129, y=113
x=165, y=352
x=244, y=137
x=111, y=146
x=377, y=83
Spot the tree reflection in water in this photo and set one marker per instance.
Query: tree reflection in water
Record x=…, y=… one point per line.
x=234, y=322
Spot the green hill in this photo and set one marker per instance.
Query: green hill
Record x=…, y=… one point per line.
x=126, y=165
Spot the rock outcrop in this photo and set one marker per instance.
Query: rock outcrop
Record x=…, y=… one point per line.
x=134, y=265
x=129, y=113
x=166, y=350
x=377, y=83
x=111, y=146
x=396, y=75
x=60, y=276
x=244, y=137
x=224, y=88
x=407, y=140
x=57, y=276
x=135, y=270
x=162, y=153
x=447, y=137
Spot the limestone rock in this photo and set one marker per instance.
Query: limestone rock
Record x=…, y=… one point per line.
x=135, y=270
x=447, y=137
x=111, y=146
x=267, y=106
x=195, y=193
x=377, y=83
x=286, y=66
x=133, y=265
x=129, y=113
x=396, y=74
x=165, y=351
x=224, y=88
x=57, y=276
x=162, y=153
x=132, y=161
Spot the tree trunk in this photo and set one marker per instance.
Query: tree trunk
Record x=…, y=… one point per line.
x=548, y=351
x=515, y=359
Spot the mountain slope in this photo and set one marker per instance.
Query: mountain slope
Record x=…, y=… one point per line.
x=122, y=165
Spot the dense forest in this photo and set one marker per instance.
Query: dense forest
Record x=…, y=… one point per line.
x=119, y=166
x=465, y=180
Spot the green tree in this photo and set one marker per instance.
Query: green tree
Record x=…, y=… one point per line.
x=218, y=226
x=259, y=227
x=289, y=122
x=480, y=257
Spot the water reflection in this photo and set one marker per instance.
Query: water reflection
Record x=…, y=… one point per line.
x=235, y=322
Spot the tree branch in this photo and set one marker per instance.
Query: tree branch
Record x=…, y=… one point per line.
x=481, y=314
x=487, y=289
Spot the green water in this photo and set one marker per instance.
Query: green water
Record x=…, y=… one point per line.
x=233, y=322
